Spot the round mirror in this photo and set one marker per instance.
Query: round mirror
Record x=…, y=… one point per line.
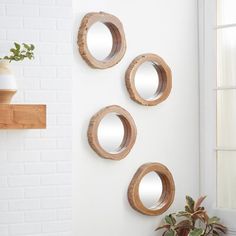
x=150, y=190
x=111, y=133
x=99, y=40
x=147, y=81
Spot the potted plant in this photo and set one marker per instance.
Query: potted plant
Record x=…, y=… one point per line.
x=8, y=85
x=193, y=221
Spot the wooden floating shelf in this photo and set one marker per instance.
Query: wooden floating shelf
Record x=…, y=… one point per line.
x=14, y=116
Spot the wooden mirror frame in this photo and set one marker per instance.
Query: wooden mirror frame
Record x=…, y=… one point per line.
x=164, y=74
x=118, y=36
x=130, y=132
x=168, y=192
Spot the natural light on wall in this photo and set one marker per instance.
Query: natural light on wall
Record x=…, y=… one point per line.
x=226, y=104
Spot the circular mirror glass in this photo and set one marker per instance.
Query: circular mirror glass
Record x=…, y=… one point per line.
x=99, y=40
x=150, y=190
x=111, y=133
x=147, y=81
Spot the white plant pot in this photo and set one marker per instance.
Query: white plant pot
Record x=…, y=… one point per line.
x=8, y=85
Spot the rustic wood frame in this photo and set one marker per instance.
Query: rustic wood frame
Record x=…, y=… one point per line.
x=168, y=192
x=130, y=132
x=118, y=36
x=165, y=79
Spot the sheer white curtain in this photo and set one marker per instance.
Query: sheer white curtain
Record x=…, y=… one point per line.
x=226, y=104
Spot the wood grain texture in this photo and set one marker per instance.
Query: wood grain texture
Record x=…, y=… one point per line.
x=118, y=36
x=14, y=116
x=130, y=132
x=168, y=193
x=163, y=72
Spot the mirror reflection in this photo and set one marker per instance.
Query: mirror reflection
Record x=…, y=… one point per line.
x=99, y=40
x=150, y=189
x=111, y=133
x=147, y=81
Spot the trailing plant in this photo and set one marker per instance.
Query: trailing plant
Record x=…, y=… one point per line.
x=193, y=221
x=20, y=52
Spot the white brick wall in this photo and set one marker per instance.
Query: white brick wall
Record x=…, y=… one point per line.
x=35, y=165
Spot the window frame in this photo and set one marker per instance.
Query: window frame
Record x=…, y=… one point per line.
x=208, y=111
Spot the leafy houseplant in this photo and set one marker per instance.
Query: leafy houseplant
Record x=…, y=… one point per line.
x=20, y=52
x=193, y=221
x=7, y=80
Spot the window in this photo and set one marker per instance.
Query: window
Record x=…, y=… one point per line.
x=217, y=36
x=226, y=104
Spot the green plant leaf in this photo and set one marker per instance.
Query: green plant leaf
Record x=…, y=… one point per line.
x=13, y=50
x=187, y=209
x=213, y=220
x=183, y=213
x=190, y=203
x=18, y=54
x=172, y=219
x=17, y=45
x=168, y=220
x=26, y=46
x=196, y=232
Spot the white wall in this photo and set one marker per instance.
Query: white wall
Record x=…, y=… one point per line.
x=35, y=165
x=167, y=133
